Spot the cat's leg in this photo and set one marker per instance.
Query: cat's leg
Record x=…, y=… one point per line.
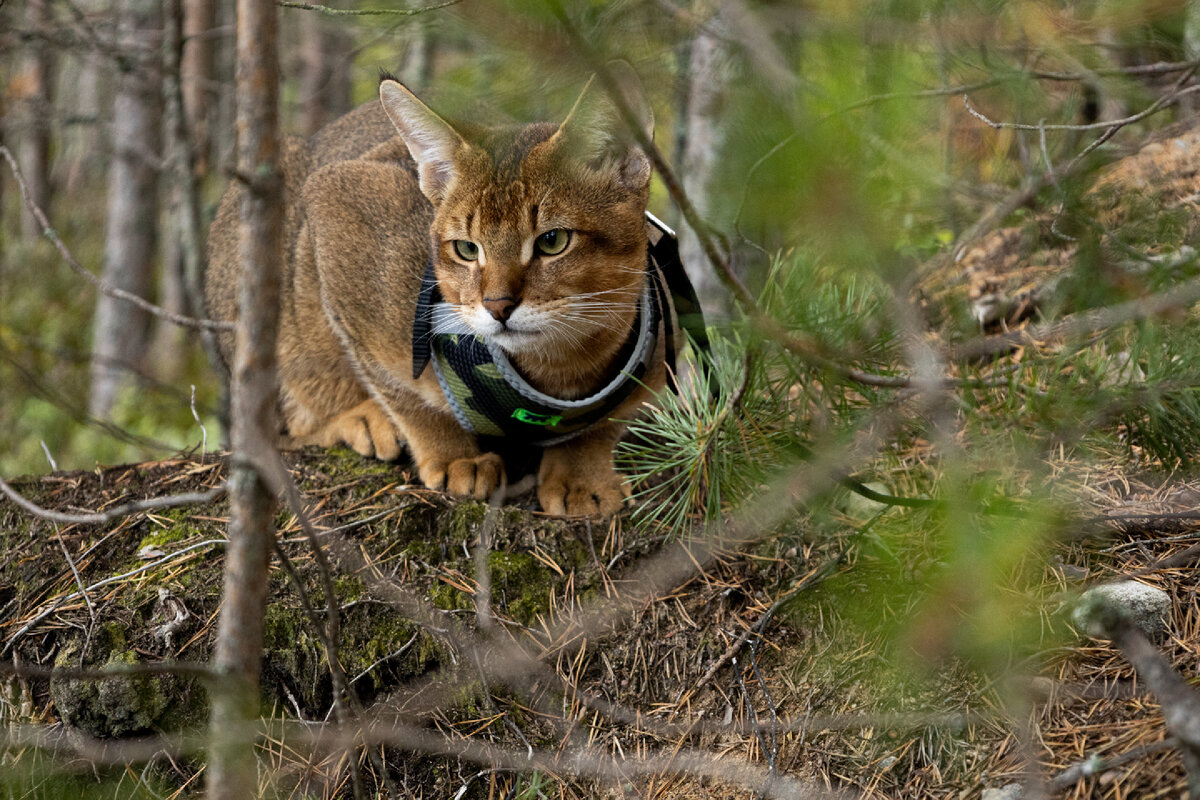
x=446, y=456
x=365, y=428
x=578, y=477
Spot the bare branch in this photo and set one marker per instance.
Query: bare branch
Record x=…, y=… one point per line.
x=366, y=12
x=1096, y=764
x=1179, y=701
x=111, y=291
x=1153, y=108
x=109, y=671
x=1180, y=296
x=102, y=517
x=64, y=599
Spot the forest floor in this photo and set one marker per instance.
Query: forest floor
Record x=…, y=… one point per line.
x=750, y=657
x=684, y=659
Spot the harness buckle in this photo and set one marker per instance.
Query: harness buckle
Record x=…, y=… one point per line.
x=534, y=418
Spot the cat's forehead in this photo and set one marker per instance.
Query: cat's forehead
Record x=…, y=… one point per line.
x=506, y=150
x=500, y=175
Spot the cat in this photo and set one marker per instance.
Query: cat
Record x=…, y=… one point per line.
x=528, y=242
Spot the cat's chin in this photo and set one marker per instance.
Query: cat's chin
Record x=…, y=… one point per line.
x=515, y=342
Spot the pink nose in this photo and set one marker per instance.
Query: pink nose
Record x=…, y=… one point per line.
x=500, y=308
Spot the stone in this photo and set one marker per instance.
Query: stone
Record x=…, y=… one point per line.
x=1146, y=606
x=859, y=507
x=1010, y=791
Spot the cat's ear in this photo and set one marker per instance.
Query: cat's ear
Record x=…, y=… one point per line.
x=595, y=132
x=429, y=138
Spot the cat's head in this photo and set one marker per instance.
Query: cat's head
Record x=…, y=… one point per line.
x=538, y=237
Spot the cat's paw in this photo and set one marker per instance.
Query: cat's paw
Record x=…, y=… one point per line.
x=365, y=429
x=598, y=494
x=476, y=477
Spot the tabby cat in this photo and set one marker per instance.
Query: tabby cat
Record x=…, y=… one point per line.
x=531, y=239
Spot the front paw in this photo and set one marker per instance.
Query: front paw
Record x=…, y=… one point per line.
x=477, y=477
x=366, y=429
x=587, y=493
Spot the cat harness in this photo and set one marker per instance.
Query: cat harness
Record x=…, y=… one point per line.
x=490, y=398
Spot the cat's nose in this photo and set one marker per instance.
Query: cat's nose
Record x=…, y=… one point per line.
x=500, y=308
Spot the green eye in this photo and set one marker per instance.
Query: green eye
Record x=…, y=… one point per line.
x=551, y=243
x=467, y=251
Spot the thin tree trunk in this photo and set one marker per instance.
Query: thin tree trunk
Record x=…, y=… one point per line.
x=232, y=773
x=82, y=92
x=697, y=163
x=324, y=70
x=32, y=103
x=199, y=18
x=184, y=240
x=420, y=56
x=121, y=331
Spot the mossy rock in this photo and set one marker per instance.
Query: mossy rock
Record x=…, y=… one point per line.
x=124, y=705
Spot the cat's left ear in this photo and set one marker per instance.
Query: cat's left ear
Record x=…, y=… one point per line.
x=595, y=132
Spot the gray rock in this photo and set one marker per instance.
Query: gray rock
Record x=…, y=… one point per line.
x=1010, y=791
x=1146, y=606
x=859, y=507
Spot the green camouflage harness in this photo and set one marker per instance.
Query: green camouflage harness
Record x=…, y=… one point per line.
x=490, y=398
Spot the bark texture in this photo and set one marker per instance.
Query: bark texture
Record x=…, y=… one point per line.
x=326, y=45
x=32, y=103
x=196, y=71
x=701, y=143
x=121, y=331
x=233, y=770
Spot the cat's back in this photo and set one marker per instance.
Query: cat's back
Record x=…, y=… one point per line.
x=364, y=131
x=350, y=136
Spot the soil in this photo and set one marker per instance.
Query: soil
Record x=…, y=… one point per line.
x=760, y=634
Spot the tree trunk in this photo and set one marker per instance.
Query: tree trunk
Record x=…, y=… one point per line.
x=199, y=19
x=324, y=70
x=697, y=161
x=32, y=103
x=121, y=331
x=232, y=772
x=419, y=56
x=182, y=261
x=83, y=96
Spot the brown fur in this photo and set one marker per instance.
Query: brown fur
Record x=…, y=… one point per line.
x=367, y=200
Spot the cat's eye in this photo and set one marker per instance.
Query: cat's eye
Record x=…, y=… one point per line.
x=467, y=251
x=551, y=243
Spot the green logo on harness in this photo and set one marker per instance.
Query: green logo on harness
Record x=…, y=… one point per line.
x=534, y=418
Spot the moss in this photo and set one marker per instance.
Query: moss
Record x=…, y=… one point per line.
x=520, y=585
x=164, y=536
x=342, y=462
x=112, y=707
x=512, y=517
x=465, y=519
x=447, y=598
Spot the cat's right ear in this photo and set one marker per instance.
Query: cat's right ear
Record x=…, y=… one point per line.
x=595, y=133
x=429, y=138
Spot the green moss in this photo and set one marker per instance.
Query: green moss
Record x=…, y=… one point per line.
x=342, y=462
x=112, y=707
x=160, y=537
x=447, y=598
x=520, y=585
x=465, y=518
